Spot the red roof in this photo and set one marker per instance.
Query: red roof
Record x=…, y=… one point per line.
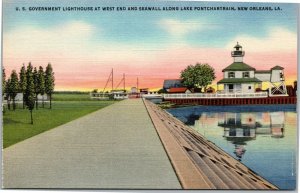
x=178, y=90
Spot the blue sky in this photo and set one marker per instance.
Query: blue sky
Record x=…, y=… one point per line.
x=143, y=25
x=147, y=38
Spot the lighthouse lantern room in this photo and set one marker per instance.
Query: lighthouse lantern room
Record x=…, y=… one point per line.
x=238, y=53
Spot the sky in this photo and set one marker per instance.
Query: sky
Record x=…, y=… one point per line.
x=83, y=46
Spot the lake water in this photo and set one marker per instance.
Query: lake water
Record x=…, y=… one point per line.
x=263, y=137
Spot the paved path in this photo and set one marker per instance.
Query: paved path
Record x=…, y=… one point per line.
x=115, y=147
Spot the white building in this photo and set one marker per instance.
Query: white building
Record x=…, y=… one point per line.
x=119, y=95
x=239, y=77
x=19, y=97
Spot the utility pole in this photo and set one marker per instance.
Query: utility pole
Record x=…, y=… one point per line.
x=124, y=81
x=137, y=83
x=112, y=79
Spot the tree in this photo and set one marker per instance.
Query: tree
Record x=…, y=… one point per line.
x=29, y=96
x=36, y=86
x=161, y=91
x=198, y=76
x=49, y=82
x=3, y=85
x=7, y=92
x=41, y=83
x=22, y=82
x=3, y=81
x=14, y=87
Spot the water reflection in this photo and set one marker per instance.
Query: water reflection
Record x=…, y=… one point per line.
x=263, y=138
x=239, y=151
x=242, y=127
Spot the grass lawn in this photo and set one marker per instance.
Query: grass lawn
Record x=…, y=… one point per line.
x=17, y=125
x=71, y=97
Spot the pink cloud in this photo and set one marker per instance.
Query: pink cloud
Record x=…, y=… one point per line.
x=87, y=74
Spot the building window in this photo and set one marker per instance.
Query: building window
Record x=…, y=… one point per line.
x=281, y=76
x=231, y=75
x=230, y=88
x=249, y=87
x=245, y=74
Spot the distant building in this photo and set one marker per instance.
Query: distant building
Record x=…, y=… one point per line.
x=133, y=90
x=118, y=94
x=239, y=77
x=144, y=90
x=172, y=83
x=123, y=95
x=179, y=90
x=19, y=97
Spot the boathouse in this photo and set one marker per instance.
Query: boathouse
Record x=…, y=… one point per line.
x=240, y=77
x=179, y=90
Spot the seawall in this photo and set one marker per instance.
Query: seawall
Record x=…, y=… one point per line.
x=199, y=163
x=233, y=101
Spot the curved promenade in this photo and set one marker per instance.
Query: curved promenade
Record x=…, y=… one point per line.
x=114, y=147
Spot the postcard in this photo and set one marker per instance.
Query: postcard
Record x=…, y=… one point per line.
x=149, y=95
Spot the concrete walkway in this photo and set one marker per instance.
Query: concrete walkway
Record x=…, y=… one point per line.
x=115, y=147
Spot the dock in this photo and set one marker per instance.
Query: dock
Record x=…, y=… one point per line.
x=132, y=144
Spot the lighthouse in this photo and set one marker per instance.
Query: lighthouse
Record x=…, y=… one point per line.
x=239, y=77
x=238, y=53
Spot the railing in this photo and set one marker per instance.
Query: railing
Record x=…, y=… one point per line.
x=238, y=53
x=120, y=96
x=98, y=96
x=153, y=95
x=109, y=95
x=216, y=95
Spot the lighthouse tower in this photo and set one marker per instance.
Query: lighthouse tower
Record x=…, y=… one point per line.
x=238, y=53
